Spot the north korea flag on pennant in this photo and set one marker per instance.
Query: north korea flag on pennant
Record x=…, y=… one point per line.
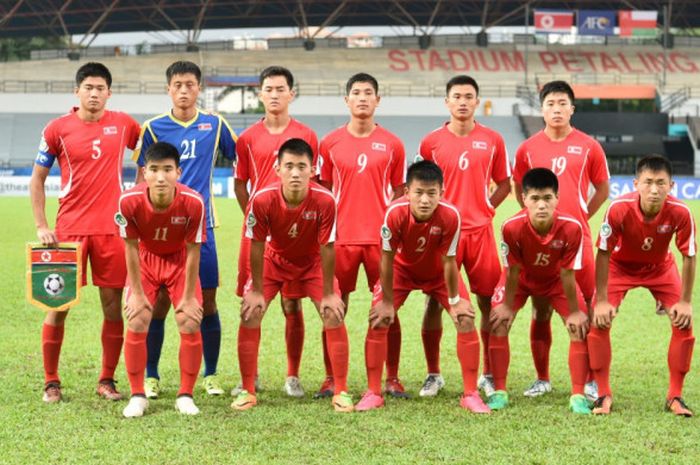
x=554, y=21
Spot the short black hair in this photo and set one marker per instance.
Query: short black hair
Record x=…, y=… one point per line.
x=277, y=71
x=461, y=80
x=296, y=147
x=162, y=151
x=183, y=67
x=361, y=77
x=540, y=178
x=93, y=69
x=655, y=163
x=425, y=171
x=556, y=87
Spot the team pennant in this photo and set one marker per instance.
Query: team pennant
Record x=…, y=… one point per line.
x=54, y=276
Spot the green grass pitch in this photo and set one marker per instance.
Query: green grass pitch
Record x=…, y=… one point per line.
x=85, y=429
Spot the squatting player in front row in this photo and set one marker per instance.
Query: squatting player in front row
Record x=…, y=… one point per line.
x=163, y=224
x=633, y=251
x=419, y=243
x=298, y=259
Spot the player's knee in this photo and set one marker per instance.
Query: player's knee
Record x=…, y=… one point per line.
x=465, y=325
x=209, y=301
x=500, y=331
x=291, y=305
x=139, y=322
x=331, y=320
x=56, y=318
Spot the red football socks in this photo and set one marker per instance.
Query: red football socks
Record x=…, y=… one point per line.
x=326, y=358
x=499, y=353
x=248, y=344
x=578, y=365
x=51, y=340
x=600, y=354
x=680, y=354
x=135, y=356
x=338, y=351
x=485, y=346
x=375, y=356
x=112, y=341
x=294, y=338
x=468, y=355
x=431, y=348
x=190, y=358
x=540, y=345
x=393, y=349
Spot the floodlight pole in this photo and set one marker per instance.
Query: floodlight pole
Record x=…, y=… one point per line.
x=527, y=38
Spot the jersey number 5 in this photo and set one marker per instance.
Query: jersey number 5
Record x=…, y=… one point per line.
x=96, y=150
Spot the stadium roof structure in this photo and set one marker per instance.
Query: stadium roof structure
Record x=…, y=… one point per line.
x=92, y=17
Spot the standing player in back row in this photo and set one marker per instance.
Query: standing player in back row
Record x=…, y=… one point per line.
x=633, y=251
x=365, y=167
x=578, y=161
x=89, y=144
x=200, y=137
x=256, y=161
x=471, y=156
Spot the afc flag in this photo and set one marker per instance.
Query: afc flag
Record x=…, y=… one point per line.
x=596, y=22
x=557, y=21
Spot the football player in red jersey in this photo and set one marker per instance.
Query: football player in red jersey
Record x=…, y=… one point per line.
x=89, y=144
x=365, y=167
x=292, y=225
x=578, y=161
x=472, y=156
x=256, y=159
x=633, y=251
x=542, y=248
x=420, y=236
x=163, y=224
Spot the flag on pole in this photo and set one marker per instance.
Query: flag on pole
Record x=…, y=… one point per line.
x=554, y=21
x=638, y=23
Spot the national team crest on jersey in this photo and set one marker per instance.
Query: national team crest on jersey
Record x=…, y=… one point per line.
x=178, y=220
x=309, y=215
x=54, y=276
x=479, y=144
x=386, y=233
x=664, y=228
x=204, y=127
x=556, y=244
x=605, y=230
x=378, y=146
x=574, y=150
x=109, y=130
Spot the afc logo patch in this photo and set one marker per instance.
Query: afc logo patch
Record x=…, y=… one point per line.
x=605, y=230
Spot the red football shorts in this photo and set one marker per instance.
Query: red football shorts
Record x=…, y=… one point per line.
x=347, y=265
x=478, y=254
x=404, y=284
x=164, y=271
x=554, y=292
x=294, y=281
x=664, y=283
x=107, y=260
x=585, y=277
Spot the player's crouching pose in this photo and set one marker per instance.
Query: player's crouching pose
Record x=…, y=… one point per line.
x=633, y=250
x=298, y=259
x=541, y=248
x=163, y=224
x=419, y=244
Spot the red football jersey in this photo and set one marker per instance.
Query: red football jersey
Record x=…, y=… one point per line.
x=363, y=171
x=163, y=232
x=542, y=258
x=90, y=156
x=578, y=160
x=256, y=152
x=469, y=164
x=295, y=234
x=420, y=246
x=638, y=243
